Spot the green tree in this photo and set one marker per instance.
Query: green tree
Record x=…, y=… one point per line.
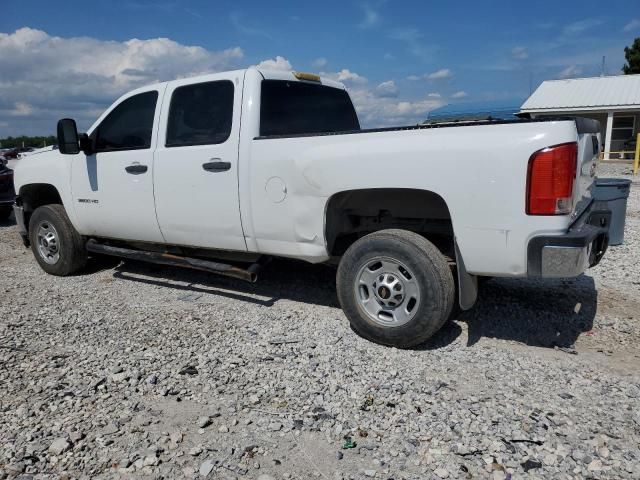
x=632, y=54
x=17, y=142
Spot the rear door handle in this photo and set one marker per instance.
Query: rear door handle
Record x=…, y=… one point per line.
x=136, y=169
x=216, y=166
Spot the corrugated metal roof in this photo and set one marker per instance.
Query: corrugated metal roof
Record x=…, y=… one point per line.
x=585, y=93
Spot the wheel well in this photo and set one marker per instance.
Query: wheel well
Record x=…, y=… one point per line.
x=35, y=195
x=355, y=213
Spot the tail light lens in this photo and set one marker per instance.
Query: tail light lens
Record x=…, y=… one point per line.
x=550, y=180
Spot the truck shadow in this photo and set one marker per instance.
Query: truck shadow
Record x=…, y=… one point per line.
x=281, y=279
x=543, y=313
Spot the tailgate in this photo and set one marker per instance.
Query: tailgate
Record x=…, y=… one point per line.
x=588, y=151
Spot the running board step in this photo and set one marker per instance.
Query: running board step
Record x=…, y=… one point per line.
x=249, y=274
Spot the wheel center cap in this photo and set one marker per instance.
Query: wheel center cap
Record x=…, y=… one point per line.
x=384, y=293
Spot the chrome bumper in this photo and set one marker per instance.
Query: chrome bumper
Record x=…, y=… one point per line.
x=558, y=262
x=569, y=255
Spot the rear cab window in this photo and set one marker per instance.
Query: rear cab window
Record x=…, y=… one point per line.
x=299, y=108
x=200, y=114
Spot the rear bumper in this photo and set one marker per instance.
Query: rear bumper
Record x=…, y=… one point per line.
x=569, y=255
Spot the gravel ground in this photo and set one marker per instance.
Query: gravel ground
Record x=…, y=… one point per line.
x=132, y=369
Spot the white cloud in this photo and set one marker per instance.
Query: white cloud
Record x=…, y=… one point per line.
x=439, y=74
x=460, y=94
x=44, y=78
x=632, y=25
x=387, y=89
x=434, y=95
x=319, y=62
x=571, y=71
x=345, y=76
x=378, y=106
x=278, y=63
x=581, y=26
x=371, y=16
x=519, y=53
x=375, y=111
x=80, y=76
x=21, y=109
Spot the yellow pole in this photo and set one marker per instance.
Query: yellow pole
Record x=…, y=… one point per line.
x=636, y=159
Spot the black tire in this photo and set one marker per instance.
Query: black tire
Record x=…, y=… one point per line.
x=5, y=213
x=431, y=275
x=72, y=254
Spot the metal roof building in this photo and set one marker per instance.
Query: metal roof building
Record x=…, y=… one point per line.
x=614, y=101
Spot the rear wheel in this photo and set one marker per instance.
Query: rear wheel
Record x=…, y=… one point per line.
x=395, y=288
x=57, y=246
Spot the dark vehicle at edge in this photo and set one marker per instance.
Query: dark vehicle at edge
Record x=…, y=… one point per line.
x=7, y=193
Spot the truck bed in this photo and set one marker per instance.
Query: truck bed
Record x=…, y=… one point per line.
x=584, y=125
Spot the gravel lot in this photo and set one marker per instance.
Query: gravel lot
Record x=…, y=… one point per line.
x=132, y=369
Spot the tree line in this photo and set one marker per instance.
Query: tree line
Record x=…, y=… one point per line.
x=26, y=141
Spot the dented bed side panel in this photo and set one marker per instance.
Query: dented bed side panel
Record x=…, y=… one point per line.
x=480, y=172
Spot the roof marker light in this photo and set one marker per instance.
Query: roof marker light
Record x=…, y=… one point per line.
x=311, y=77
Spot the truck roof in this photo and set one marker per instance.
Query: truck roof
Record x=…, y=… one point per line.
x=289, y=75
x=267, y=74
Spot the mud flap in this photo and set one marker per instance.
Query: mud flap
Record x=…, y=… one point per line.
x=467, y=283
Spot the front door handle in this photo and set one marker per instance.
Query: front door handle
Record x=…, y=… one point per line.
x=216, y=166
x=136, y=169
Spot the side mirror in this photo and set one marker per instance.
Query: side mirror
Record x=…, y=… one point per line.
x=68, y=143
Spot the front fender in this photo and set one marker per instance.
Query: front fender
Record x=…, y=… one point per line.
x=48, y=168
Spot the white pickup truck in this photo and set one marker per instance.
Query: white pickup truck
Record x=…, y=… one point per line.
x=222, y=171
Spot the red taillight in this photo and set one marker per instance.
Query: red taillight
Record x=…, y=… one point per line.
x=550, y=180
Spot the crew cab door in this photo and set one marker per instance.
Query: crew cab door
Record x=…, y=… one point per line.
x=196, y=163
x=112, y=189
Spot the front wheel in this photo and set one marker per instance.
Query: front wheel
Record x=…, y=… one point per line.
x=57, y=246
x=395, y=288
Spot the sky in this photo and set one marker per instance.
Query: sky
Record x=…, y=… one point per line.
x=399, y=60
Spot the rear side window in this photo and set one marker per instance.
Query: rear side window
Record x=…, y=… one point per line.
x=200, y=114
x=129, y=125
x=295, y=108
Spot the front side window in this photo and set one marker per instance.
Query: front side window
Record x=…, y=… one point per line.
x=298, y=108
x=128, y=126
x=200, y=114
